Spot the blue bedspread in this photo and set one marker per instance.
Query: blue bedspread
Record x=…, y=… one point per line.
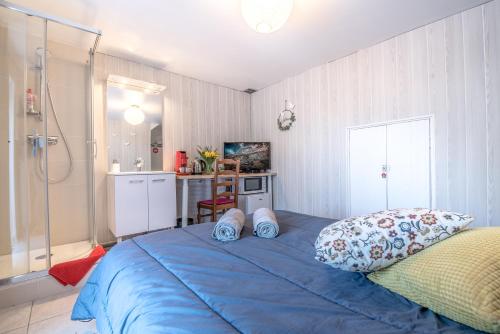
x=183, y=281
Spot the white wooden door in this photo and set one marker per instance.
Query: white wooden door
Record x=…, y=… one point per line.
x=162, y=201
x=131, y=204
x=408, y=163
x=367, y=156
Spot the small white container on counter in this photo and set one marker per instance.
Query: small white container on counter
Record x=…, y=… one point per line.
x=115, y=168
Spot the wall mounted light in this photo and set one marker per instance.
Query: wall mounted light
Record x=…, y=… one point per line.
x=266, y=16
x=134, y=115
x=138, y=85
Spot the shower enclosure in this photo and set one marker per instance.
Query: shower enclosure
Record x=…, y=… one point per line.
x=47, y=144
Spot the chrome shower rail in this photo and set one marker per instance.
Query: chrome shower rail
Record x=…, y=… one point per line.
x=52, y=18
x=55, y=19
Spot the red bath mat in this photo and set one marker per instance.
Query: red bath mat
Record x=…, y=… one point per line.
x=72, y=272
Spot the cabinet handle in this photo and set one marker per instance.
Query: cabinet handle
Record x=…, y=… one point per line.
x=136, y=181
x=158, y=180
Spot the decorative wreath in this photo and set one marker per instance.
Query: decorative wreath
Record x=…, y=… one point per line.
x=286, y=117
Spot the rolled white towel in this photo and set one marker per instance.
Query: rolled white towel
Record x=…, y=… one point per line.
x=229, y=226
x=265, y=224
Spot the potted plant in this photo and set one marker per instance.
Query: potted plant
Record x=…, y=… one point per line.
x=208, y=155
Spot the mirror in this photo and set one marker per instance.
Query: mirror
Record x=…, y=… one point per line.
x=134, y=125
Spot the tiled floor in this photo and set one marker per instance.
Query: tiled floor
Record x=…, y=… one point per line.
x=47, y=316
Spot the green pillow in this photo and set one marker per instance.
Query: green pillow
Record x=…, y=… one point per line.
x=458, y=277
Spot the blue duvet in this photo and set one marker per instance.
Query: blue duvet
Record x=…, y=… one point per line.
x=183, y=281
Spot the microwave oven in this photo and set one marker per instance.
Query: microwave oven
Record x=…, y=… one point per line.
x=252, y=185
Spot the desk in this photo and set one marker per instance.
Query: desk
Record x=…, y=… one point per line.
x=185, y=187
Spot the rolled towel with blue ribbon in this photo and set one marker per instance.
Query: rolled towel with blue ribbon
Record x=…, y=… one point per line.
x=229, y=226
x=265, y=224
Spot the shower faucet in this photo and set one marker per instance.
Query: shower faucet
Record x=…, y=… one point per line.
x=34, y=138
x=38, y=141
x=139, y=163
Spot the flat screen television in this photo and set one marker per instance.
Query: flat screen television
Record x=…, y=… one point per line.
x=254, y=156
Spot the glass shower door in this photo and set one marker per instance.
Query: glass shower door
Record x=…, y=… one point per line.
x=23, y=195
x=70, y=154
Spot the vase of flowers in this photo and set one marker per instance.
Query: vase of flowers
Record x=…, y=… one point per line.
x=208, y=155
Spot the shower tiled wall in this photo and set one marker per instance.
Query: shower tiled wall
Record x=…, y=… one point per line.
x=68, y=200
x=68, y=77
x=14, y=234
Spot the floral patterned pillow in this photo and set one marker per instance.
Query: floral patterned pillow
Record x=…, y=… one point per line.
x=372, y=242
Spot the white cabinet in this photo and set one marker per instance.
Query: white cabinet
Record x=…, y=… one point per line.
x=250, y=203
x=390, y=166
x=162, y=201
x=140, y=203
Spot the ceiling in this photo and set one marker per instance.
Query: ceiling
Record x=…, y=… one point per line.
x=209, y=40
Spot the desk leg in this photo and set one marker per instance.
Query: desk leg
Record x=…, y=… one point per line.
x=270, y=178
x=185, y=191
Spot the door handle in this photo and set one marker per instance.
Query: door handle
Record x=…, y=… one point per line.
x=384, y=171
x=158, y=180
x=136, y=181
x=94, y=148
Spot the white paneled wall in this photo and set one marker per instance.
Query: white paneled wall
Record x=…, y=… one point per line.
x=450, y=69
x=200, y=113
x=196, y=113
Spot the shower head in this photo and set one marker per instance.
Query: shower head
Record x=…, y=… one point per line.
x=39, y=59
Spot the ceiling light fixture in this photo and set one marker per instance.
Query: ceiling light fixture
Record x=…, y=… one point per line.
x=266, y=16
x=134, y=115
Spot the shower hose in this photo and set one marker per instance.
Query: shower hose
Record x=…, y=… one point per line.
x=66, y=146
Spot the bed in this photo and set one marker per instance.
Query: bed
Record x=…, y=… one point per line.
x=183, y=281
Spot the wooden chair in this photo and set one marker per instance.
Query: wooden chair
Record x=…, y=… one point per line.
x=223, y=201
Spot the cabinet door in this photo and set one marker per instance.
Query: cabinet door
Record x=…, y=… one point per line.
x=131, y=204
x=408, y=162
x=367, y=157
x=162, y=201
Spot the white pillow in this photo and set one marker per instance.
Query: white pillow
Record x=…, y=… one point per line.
x=372, y=242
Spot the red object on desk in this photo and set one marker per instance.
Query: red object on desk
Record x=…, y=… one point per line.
x=72, y=272
x=181, y=160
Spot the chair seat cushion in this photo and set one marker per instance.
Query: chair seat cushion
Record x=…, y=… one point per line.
x=219, y=201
